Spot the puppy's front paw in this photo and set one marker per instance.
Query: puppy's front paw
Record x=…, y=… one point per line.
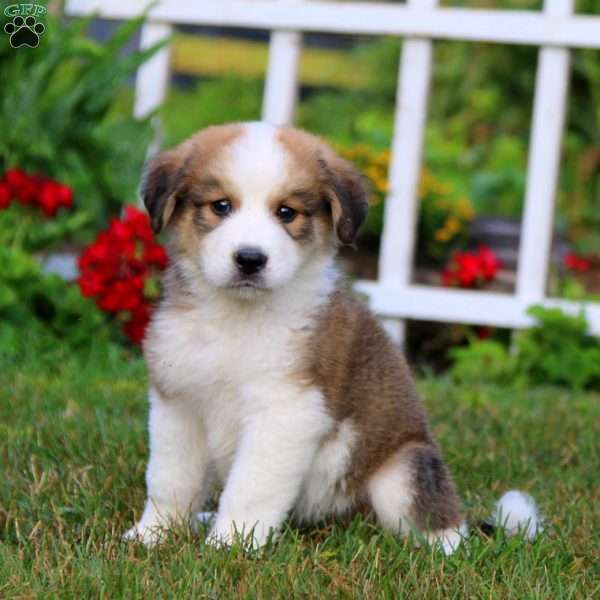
x=149, y=535
x=220, y=537
x=225, y=532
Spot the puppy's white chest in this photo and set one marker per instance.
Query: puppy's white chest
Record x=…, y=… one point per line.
x=225, y=367
x=200, y=356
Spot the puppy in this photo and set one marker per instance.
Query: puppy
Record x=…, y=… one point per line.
x=266, y=376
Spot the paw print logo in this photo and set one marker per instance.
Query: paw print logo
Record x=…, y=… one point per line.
x=24, y=32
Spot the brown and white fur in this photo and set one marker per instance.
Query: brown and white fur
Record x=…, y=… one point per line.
x=276, y=383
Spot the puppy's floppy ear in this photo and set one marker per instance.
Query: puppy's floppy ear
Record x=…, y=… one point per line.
x=347, y=192
x=163, y=176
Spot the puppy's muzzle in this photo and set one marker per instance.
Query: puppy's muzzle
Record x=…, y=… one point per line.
x=250, y=260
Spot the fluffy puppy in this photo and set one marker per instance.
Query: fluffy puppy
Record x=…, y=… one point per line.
x=266, y=376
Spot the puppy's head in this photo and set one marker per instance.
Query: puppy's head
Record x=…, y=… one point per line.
x=248, y=205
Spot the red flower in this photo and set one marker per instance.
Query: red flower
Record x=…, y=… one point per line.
x=134, y=330
x=100, y=254
x=484, y=332
x=48, y=194
x=137, y=267
x=137, y=283
x=114, y=269
x=109, y=302
x=135, y=327
x=27, y=192
x=121, y=295
x=447, y=278
x=139, y=224
x=470, y=269
x=156, y=255
x=5, y=195
x=129, y=293
x=65, y=195
x=488, y=263
x=48, y=198
x=119, y=230
x=17, y=180
x=91, y=283
x=577, y=263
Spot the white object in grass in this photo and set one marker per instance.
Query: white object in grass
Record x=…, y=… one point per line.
x=517, y=512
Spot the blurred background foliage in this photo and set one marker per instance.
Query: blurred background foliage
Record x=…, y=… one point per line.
x=67, y=106
x=60, y=116
x=479, y=116
x=71, y=117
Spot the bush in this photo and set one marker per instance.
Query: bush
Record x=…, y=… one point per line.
x=36, y=212
x=63, y=146
x=57, y=114
x=559, y=350
x=42, y=310
x=443, y=218
x=556, y=350
x=478, y=129
x=481, y=361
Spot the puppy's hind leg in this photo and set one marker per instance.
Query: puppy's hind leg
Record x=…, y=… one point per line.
x=413, y=489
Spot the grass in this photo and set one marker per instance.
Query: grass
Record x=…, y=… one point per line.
x=73, y=453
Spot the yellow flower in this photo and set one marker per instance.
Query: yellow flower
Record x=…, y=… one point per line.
x=440, y=188
x=453, y=225
x=441, y=235
x=374, y=199
x=372, y=173
x=383, y=186
x=382, y=159
x=465, y=209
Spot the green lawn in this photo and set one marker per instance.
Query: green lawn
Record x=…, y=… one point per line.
x=73, y=452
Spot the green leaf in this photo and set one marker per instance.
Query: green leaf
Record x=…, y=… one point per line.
x=7, y=295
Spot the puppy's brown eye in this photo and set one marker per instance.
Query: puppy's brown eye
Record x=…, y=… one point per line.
x=221, y=207
x=286, y=214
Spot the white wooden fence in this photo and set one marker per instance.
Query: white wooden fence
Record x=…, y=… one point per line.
x=394, y=297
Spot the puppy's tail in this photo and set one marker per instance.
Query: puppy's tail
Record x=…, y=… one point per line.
x=515, y=512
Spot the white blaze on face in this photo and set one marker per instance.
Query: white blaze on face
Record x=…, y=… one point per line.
x=256, y=167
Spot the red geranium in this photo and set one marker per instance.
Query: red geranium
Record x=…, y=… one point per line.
x=135, y=327
x=577, y=263
x=47, y=194
x=5, y=195
x=114, y=269
x=156, y=255
x=489, y=263
x=471, y=269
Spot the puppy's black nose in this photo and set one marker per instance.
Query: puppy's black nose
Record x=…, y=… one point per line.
x=250, y=260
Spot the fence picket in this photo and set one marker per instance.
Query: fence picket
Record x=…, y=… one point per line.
x=544, y=160
x=402, y=203
x=281, y=79
x=152, y=81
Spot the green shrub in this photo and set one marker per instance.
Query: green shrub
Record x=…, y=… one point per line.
x=478, y=126
x=559, y=350
x=43, y=310
x=21, y=227
x=482, y=360
x=57, y=113
x=58, y=118
x=556, y=350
